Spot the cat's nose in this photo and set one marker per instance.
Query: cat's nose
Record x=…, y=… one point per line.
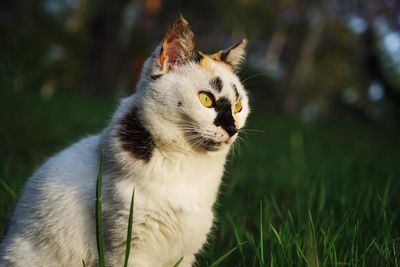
x=231, y=130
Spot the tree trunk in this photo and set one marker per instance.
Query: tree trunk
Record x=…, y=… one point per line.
x=104, y=47
x=375, y=69
x=303, y=66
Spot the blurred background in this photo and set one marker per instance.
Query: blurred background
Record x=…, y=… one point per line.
x=317, y=176
x=313, y=58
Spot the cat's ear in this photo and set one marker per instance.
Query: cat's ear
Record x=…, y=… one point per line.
x=234, y=55
x=178, y=46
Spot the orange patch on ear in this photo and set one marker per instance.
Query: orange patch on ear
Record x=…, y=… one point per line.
x=163, y=54
x=178, y=46
x=231, y=57
x=205, y=63
x=216, y=56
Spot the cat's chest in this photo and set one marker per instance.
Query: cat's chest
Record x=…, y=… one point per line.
x=179, y=193
x=185, y=195
x=186, y=184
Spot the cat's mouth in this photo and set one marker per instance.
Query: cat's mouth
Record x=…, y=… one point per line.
x=206, y=143
x=204, y=139
x=210, y=144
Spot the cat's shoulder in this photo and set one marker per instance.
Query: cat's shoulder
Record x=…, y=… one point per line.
x=73, y=163
x=81, y=151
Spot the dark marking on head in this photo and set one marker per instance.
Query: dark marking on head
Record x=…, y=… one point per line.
x=223, y=57
x=197, y=57
x=225, y=53
x=155, y=76
x=236, y=91
x=217, y=84
x=224, y=116
x=179, y=103
x=135, y=138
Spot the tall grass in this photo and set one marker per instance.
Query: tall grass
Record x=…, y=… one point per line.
x=99, y=220
x=129, y=231
x=99, y=215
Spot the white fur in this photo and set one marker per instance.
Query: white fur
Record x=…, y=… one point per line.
x=54, y=222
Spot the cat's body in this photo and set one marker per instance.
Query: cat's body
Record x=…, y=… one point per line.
x=157, y=142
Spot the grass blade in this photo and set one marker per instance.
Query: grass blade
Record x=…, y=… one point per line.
x=261, y=236
x=276, y=235
x=313, y=249
x=237, y=237
x=178, y=262
x=99, y=214
x=7, y=188
x=226, y=255
x=83, y=263
x=129, y=232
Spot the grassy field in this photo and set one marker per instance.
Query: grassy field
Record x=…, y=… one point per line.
x=294, y=194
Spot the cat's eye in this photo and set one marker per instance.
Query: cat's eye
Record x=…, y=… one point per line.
x=238, y=107
x=206, y=99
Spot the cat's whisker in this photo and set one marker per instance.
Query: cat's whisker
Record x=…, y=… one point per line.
x=193, y=138
x=252, y=77
x=243, y=140
x=252, y=130
x=198, y=143
x=235, y=149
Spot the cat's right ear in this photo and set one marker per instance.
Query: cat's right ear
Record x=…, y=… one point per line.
x=178, y=46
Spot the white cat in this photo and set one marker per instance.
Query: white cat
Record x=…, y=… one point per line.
x=169, y=141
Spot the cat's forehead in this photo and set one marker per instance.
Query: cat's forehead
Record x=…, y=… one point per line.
x=221, y=78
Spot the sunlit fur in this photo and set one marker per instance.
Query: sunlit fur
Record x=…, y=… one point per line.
x=54, y=223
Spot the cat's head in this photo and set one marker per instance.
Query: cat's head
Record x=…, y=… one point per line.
x=189, y=96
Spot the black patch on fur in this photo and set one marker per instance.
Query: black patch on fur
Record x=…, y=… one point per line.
x=224, y=116
x=197, y=57
x=236, y=91
x=217, y=84
x=209, y=144
x=155, y=76
x=224, y=54
x=135, y=138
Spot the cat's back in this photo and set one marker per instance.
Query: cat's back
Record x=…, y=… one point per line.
x=70, y=171
x=55, y=208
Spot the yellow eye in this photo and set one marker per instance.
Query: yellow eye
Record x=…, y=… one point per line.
x=238, y=107
x=206, y=99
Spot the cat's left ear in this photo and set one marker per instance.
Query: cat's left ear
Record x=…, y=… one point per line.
x=178, y=46
x=234, y=55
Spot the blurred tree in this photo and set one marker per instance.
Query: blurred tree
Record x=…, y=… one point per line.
x=323, y=56
x=104, y=48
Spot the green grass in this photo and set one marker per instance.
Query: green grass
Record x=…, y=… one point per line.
x=129, y=231
x=99, y=220
x=329, y=190
x=99, y=214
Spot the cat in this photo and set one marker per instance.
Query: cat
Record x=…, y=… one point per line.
x=169, y=142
